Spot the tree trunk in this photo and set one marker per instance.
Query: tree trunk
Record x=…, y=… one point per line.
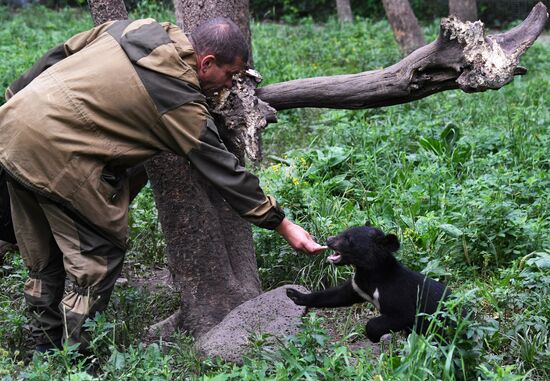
x=107, y=10
x=465, y=10
x=209, y=247
x=461, y=57
x=190, y=14
x=405, y=26
x=343, y=8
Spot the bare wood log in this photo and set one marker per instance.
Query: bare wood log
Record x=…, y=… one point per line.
x=405, y=26
x=461, y=57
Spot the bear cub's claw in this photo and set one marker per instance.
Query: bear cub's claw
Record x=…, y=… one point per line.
x=296, y=296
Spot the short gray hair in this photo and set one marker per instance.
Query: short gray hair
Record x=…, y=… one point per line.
x=222, y=38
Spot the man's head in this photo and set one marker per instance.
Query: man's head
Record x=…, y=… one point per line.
x=222, y=51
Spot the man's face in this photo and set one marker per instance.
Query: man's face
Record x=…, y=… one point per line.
x=214, y=77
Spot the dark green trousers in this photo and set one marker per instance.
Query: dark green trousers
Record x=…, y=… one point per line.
x=56, y=245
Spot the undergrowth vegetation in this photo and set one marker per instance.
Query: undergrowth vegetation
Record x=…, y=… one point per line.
x=462, y=179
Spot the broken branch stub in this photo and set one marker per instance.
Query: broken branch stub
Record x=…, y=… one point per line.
x=492, y=61
x=243, y=114
x=486, y=65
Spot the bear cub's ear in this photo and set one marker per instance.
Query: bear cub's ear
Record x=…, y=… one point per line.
x=367, y=223
x=390, y=242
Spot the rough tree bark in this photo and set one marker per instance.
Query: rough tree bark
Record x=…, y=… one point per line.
x=343, y=8
x=465, y=10
x=107, y=10
x=405, y=26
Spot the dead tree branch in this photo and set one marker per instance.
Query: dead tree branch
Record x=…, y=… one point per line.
x=461, y=57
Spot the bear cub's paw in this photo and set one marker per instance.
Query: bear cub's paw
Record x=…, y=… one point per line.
x=296, y=296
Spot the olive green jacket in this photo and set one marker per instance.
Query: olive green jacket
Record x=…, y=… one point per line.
x=109, y=99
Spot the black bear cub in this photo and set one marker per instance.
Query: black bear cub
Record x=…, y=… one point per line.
x=396, y=291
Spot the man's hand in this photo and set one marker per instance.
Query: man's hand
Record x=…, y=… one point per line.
x=298, y=238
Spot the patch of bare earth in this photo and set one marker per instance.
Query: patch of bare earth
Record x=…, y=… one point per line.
x=154, y=280
x=347, y=325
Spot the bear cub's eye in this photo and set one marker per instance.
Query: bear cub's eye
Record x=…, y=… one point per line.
x=348, y=240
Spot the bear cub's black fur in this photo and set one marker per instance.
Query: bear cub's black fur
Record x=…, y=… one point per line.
x=396, y=291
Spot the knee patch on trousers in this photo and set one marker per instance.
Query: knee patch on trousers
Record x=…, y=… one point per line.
x=33, y=288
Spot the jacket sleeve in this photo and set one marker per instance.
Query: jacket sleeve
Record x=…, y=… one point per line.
x=55, y=55
x=192, y=132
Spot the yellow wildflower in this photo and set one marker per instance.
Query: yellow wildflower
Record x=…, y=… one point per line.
x=409, y=233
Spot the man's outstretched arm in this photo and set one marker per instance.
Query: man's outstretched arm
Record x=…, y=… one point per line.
x=194, y=134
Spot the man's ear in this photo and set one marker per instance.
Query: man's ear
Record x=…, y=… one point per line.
x=205, y=62
x=390, y=242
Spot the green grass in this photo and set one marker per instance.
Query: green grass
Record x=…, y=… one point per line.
x=462, y=179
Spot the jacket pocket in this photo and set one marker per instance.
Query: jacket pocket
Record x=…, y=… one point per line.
x=112, y=184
